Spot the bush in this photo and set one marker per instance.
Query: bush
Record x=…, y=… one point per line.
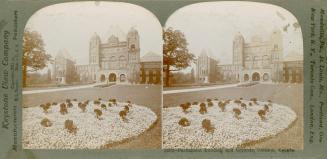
x=243, y=105
x=70, y=105
x=184, y=122
x=67, y=100
x=209, y=100
x=70, y=126
x=112, y=100
x=99, y=98
x=269, y=101
x=254, y=100
x=75, y=99
x=227, y=101
x=126, y=108
x=123, y=115
x=103, y=106
x=63, y=109
x=222, y=105
x=98, y=113
x=54, y=103
x=82, y=106
x=216, y=99
x=45, y=107
x=189, y=104
x=210, y=104
x=87, y=102
x=241, y=98
x=207, y=126
x=129, y=103
x=195, y=103
x=250, y=103
x=262, y=114
x=266, y=108
x=184, y=107
x=237, y=113
x=109, y=104
x=97, y=102
x=46, y=122
x=203, y=108
x=238, y=102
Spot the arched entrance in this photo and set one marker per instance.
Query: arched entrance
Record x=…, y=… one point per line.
x=112, y=77
x=122, y=78
x=255, y=76
x=265, y=77
x=102, y=78
x=246, y=77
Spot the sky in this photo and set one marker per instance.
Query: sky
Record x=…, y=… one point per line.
x=70, y=26
x=211, y=26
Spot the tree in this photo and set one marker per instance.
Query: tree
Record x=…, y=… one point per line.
x=176, y=56
x=34, y=55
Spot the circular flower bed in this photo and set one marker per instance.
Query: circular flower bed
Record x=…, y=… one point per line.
x=83, y=125
x=223, y=124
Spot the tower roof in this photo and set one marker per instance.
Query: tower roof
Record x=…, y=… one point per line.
x=150, y=57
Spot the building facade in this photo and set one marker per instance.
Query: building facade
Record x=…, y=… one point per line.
x=64, y=71
x=206, y=68
x=257, y=60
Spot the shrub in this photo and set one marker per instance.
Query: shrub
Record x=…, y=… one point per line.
x=184, y=122
x=97, y=102
x=238, y=102
x=82, y=106
x=46, y=122
x=79, y=104
x=103, y=106
x=222, y=105
x=188, y=103
x=195, y=103
x=210, y=104
x=227, y=101
x=45, y=107
x=75, y=99
x=54, y=103
x=67, y=100
x=250, y=103
x=254, y=100
x=216, y=99
x=87, y=102
x=203, y=108
x=112, y=100
x=126, y=108
x=237, y=113
x=123, y=114
x=129, y=103
x=184, y=107
x=207, y=126
x=70, y=105
x=243, y=105
x=109, y=104
x=241, y=98
x=269, y=101
x=70, y=126
x=262, y=114
x=98, y=113
x=209, y=100
x=266, y=108
x=63, y=109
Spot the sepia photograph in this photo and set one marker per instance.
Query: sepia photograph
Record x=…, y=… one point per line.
x=233, y=77
x=92, y=77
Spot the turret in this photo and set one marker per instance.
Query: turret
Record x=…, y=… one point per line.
x=276, y=45
x=238, y=45
x=95, y=43
x=133, y=45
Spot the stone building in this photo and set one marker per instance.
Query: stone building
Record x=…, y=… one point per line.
x=206, y=68
x=257, y=60
x=151, y=69
x=114, y=60
x=64, y=71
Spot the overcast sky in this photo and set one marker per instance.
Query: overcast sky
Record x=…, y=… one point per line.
x=213, y=25
x=70, y=26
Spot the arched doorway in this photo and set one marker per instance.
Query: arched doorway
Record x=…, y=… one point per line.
x=112, y=77
x=102, y=78
x=246, y=77
x=122, y=78
x=265, y=77
x=255, y=76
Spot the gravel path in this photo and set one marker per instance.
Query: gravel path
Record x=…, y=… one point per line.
x=229, y=132
x=91, y=132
